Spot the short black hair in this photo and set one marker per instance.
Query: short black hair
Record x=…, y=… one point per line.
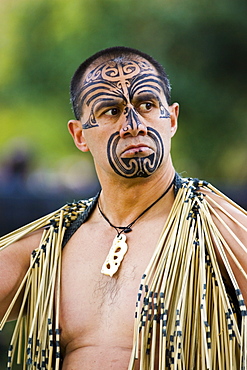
x=113, y=53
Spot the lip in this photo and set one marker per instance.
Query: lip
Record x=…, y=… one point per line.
x=140, y=149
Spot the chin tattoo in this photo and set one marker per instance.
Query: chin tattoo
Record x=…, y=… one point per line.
x=136, y=166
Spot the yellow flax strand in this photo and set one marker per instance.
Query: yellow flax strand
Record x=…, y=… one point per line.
x=37, y=325
x=182, y=285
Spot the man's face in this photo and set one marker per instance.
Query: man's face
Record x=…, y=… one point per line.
x=125, y=117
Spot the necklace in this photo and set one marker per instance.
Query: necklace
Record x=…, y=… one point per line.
x=119, y=246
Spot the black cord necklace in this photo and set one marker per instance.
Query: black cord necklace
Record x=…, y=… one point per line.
x=127, y=229
x=119, y=246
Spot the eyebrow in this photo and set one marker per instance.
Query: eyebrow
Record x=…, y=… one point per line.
x=145, y=95
x=107, y=102
x=102, y=103
x=89, y=92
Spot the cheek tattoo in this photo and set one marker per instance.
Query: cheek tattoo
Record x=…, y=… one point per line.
x=91, y=122
x=164, y=113
x=136, y=166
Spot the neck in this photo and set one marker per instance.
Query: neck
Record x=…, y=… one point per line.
x=123, y=201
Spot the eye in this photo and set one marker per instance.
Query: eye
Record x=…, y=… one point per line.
x=112, y=112
x=145, y=107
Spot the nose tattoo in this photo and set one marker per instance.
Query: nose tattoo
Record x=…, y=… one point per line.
x=132, y=119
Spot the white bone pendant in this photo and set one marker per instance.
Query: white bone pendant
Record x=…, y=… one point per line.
x=115, y=256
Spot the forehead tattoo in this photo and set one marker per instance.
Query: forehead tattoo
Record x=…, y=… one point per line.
x=119, y=79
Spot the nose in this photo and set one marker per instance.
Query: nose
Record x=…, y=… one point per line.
x=132, y=125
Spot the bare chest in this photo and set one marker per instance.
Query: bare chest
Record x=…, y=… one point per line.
x=96, y=308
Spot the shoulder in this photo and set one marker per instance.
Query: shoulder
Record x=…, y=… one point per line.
x=225, y=209
x=228, y=216
x=86, y=208
x=217, y=200
x=20, y=250
x=31, y=233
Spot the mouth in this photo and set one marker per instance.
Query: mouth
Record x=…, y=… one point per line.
x=138, y=150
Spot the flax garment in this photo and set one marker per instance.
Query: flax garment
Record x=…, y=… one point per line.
x=185, y=317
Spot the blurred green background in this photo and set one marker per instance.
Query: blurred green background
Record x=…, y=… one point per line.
x=202, y=45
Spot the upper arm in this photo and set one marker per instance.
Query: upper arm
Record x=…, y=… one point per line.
x=14, y=263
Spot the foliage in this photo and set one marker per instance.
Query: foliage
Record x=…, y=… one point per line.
x=202, y=45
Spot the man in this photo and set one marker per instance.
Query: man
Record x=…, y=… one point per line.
x=179, y=241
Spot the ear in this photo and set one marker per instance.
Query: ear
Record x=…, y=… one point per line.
x=174, y=112
x=75, y=129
